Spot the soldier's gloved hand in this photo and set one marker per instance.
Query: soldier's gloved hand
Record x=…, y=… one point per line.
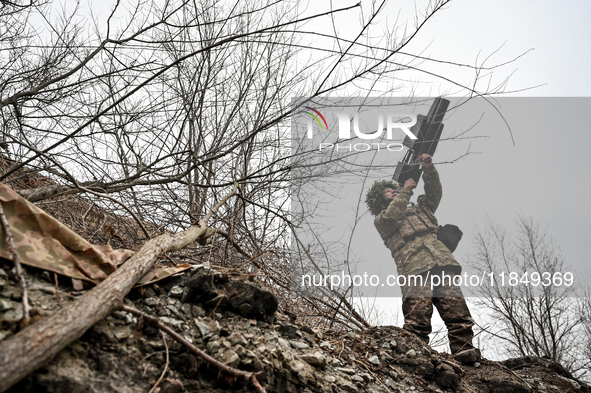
x=425, y=160
x=410, y=184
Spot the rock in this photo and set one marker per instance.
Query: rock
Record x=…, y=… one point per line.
x=121, y=334
x=283, y=343
x=286, y=356
x=393, y=374
x=498, y=385
x=152, y=301
x=169, y=385
x=213, y=346
x=103, y=359
x=123, y=316
x=171, y=322
x=252, y=302
x=335, y=362
x=348, y=387
x=207, y=327
x=351, y=335
x=5, y=305
x=349, y=371
x=237, y=338
x=357, y=378
x=295, y=366
x=149, y=292
x=216, y=290
x=45, y=276
x=176, y=291
x=288, y=330
x=374, y=360
x=315, y=359
x=230, y=358
x=197, y=312
x=13, y=314
x=186, y=309
x=220, y=300
x=446, y=377
x=262, y=349
x=366, y=377
x=203, y=328
x=240, y=351
x=326, y=345
x=215, y=327
x=299, y=345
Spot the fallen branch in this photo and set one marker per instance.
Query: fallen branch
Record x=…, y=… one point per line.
x=32, y=347
x=246, y=375
x=17, y=266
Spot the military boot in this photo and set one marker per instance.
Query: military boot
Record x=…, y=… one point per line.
x=468, y=356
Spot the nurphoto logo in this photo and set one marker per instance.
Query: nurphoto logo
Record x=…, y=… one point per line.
x=386, y=122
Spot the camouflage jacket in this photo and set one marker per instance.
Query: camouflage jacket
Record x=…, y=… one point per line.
x=424, y=251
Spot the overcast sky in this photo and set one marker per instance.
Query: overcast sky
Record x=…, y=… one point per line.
x=543, y=174
x=532, y=162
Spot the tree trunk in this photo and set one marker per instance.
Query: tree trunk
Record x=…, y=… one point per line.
x=38, y=343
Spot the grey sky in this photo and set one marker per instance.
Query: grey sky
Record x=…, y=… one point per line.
x=537, y=177
x=544, y=175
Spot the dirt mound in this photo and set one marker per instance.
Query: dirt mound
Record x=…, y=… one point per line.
x=214, y=311
x=239, y=321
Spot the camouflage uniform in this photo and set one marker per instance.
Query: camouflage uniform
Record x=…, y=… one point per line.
x=410, y=233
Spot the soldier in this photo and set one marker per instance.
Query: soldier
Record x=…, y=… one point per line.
x=410, y=232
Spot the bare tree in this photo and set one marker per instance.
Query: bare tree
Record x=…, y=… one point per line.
x=157, y=109
x=532, y=302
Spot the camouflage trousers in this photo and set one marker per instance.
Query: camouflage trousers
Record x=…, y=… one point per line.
x=417, y=305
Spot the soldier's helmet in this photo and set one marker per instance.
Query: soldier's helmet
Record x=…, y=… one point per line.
x=374, y=199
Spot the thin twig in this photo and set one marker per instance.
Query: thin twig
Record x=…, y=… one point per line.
x=342, y=298
x=57, y=292
x=136, y=218
x=373, y=375
x=247, y=376
x=231, y=240
x=17, y=266
x=165, y=367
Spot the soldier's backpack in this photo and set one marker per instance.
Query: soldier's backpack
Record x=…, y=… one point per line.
x=450, y=235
